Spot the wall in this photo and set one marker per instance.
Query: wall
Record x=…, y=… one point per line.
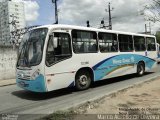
x=8, y=57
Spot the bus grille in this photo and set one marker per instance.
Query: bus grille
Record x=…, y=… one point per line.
x=25, y=77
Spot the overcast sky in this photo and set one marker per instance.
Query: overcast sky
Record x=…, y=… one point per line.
x=126, y=13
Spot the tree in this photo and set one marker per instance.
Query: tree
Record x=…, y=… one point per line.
x=152, y=11
x=158, y=37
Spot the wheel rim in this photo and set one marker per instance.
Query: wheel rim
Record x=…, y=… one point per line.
x=83, y=80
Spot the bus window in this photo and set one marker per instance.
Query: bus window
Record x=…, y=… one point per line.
x=32, y=48
x=84, y=41
x=108, y=42
x=58, y=48
x=139, y=43
x=151, y=44
x=125, y=43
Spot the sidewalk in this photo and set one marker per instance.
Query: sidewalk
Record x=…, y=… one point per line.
x=7, y=82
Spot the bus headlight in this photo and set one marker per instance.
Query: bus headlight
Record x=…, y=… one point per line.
x=35, y=74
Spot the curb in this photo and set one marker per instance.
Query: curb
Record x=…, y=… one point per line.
x=9, y=82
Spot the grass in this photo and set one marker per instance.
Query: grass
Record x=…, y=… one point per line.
x=60, y=115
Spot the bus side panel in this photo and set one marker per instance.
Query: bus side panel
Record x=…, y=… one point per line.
x=60, y=75
x=121, y=64
x=124, y=70
x=153, y=56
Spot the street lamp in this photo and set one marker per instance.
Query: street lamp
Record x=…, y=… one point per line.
x=56, y=11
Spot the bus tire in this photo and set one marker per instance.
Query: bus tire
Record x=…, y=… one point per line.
x=83, y=80
x=140, y=69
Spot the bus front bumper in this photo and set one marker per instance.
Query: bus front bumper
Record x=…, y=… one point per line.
x=37, y=85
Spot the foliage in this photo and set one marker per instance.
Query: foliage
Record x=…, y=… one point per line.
x=158, y=37
x=152, y=11
x=60, y=115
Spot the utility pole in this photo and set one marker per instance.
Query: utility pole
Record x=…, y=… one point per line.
x=56, y=11
x=110, y=19
x=110, y=16
x=150, y=29
x=146, y=28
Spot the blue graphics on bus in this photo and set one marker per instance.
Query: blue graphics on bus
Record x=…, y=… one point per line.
x=158, y=54
x=113, y=63
x=37, y=85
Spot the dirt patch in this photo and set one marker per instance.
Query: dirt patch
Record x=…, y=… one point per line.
x=142, y=99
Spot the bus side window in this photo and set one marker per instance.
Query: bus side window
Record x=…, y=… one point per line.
x=59, y=48
x=139, y=43
x=125, y=43
x=76, y=47
x=108, y=42
x=50, y=51
x=151, y=44
x=84, y=41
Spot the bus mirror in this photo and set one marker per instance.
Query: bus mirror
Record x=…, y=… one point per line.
x=55, y=41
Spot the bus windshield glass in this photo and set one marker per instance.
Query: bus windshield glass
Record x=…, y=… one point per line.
x=31, y=48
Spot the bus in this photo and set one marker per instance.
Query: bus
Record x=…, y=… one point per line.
x=53, y=57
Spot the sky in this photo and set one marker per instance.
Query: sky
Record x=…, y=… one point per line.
x=126, y=13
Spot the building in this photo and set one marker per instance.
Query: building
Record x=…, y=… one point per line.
x=10, y=8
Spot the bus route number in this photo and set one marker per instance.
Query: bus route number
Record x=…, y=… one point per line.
x=85, y=63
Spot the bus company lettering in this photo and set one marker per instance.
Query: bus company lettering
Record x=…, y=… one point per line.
x=123, y=61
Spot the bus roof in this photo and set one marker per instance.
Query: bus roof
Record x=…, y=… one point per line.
x=59, y=26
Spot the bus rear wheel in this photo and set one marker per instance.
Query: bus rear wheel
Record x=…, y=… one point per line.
x=140, y=69
x=83, y=80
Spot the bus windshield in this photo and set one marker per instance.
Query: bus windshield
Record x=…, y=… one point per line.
x=31, y=48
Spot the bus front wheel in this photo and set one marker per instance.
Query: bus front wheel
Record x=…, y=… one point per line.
x=140, y=69
x=83, y=80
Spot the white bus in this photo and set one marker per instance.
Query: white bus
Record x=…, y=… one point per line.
x=60, y=56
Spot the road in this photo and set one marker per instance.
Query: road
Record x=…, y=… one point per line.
x=16, y=100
